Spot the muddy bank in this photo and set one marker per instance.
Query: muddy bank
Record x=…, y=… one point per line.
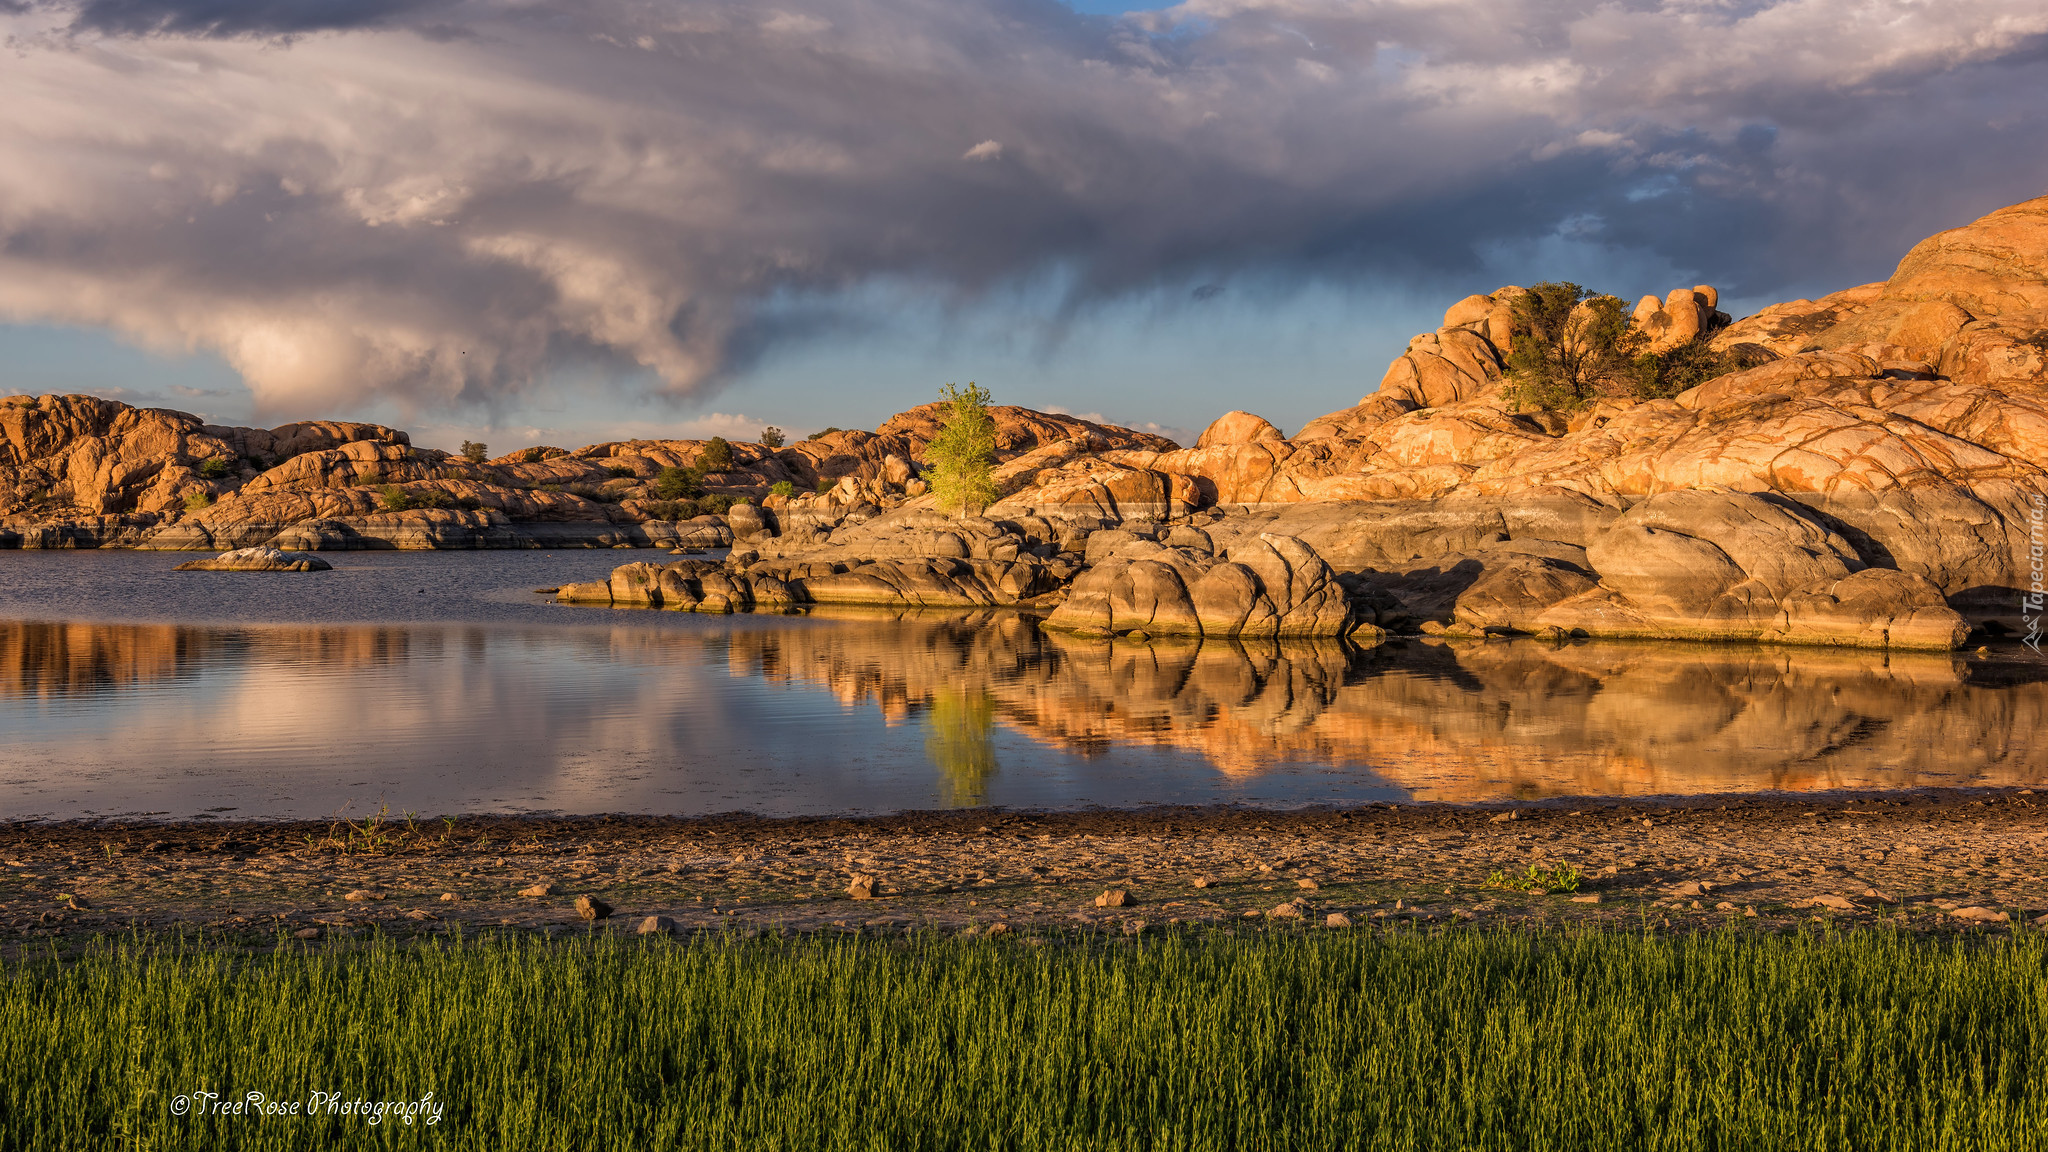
x=1924, y=860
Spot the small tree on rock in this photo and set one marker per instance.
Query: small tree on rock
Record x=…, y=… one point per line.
x=962, y=457
x=717, y=457
x=1569, y=345
x=474, y=452
x=772, y=437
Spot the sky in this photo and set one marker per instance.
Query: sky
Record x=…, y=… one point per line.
x=546, y=221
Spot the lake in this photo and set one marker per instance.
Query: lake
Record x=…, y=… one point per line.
x=440, y=683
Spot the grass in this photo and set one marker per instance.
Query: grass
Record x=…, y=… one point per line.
x=1468, y=1039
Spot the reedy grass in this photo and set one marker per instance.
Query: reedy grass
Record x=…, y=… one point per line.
x=1467, y=1039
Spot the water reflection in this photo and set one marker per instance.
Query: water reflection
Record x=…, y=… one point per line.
x=809, y=715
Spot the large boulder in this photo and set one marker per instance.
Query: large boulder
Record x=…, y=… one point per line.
x=1737, y=566
x=1265, y=586
x=1237, y=428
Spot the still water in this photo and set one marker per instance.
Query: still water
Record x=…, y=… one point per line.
x=439, y=683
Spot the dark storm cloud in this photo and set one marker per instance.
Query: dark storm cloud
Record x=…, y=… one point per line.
x=349, y=200
x=243, y=17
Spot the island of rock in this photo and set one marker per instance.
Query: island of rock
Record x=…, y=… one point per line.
x=1866, y=471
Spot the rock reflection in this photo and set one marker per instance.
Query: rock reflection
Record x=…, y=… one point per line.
x=572, y=713
x=1465, y=722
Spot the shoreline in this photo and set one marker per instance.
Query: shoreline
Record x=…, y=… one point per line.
x=1919, y=859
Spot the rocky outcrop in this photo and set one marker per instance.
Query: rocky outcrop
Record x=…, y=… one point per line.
x=703, y=586
x=78, y=471
x=258, y=560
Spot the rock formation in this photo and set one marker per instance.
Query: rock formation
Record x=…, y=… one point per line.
x=258, y=560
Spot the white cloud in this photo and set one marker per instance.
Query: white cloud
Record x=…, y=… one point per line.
x=986, y=150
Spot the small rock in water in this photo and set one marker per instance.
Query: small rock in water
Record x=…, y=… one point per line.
x=861, y=888
x=258, y=560
x=657, y=926
x=1114, y=898
x=541, y=889
x=1337, y=920
x=591, y=908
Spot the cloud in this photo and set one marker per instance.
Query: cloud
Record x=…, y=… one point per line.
x=428, y=202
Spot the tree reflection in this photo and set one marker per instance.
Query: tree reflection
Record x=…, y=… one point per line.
x=960, y=740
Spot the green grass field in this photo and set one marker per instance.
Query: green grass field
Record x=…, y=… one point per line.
x=1469, y=1039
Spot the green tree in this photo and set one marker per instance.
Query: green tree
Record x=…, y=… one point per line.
x=963, y=455
x=783, y=488
x=474, y=452
x=717, y=456
x=771, y=437
x=1569, y=344
x=214, y=467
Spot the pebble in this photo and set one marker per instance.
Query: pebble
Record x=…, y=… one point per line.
x=1114, y=898
x=361, y=896
x=1202, y=882
x=1337, y=920
x=861, y=887
x=1594, y=898
x=307, y=934
x=657, y=926
x=542, y=889
x=449, y=898
x=1307, y=885
x=591, y=908
x=1288, y=911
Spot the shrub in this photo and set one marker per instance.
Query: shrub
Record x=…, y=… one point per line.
x=772, y=437
x=821, y=433
x=393, y=498
x=551, y=487
x=825, y=484
x=717, y=457
x=1661, y=375
x=194, y=501
x=370, y=479
x=474, y=452
x=1561, y=878
x=963, y=454
x=620, y=471
x=1568, y=344
x=783, y=488
x=673, y=509
x=214, y=467
x=677, y=484
x=532, y=456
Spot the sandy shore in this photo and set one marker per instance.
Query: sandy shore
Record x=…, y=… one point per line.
x=1924, y=859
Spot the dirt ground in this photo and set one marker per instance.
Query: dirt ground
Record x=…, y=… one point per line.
x=1930, y=860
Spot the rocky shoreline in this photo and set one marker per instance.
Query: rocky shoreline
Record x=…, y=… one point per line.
x=1924, y=861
